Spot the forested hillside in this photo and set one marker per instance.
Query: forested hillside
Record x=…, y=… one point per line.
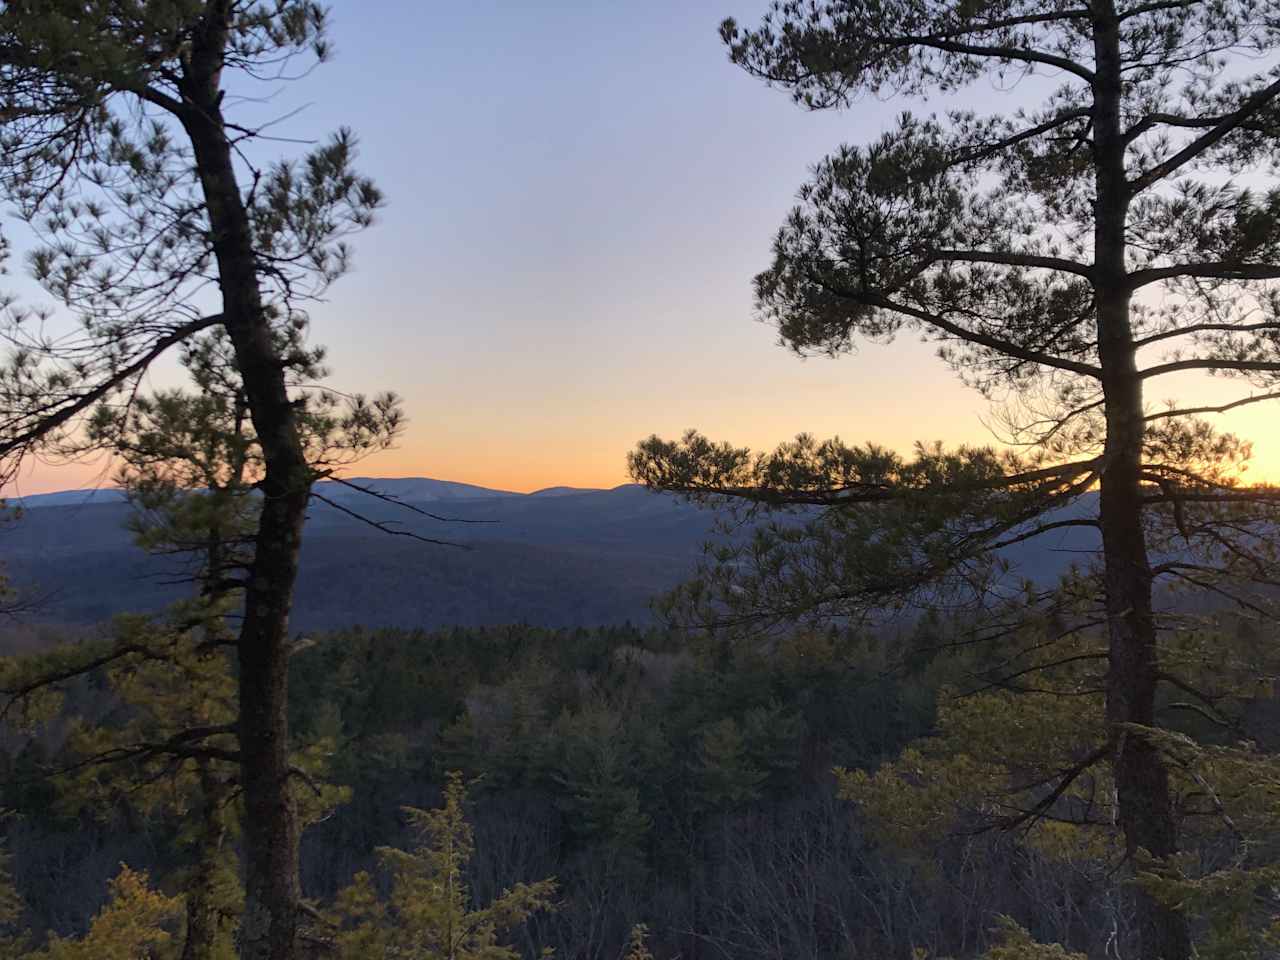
x=574, y=559
x=690, y=790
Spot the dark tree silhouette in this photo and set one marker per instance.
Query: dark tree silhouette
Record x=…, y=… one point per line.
x=1066, y=260
x=120, y=152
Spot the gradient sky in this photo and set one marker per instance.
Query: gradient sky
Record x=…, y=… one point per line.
x=579, y=194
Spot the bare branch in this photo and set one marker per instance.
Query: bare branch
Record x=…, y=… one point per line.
x=384, y=526
x=391, y=498
x=1223, y=408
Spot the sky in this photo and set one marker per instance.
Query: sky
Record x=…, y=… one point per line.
x=579, y=194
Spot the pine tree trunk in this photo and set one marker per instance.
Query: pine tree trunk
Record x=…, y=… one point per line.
x=271, y=832
x=203, y=910
x=1142, y=781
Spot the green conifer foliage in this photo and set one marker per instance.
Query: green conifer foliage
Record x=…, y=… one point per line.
x=428, y=914
x=122, y=151
x=1037, y=760
x=137, y=922
x=1017, y=944
x=1066, y=258
x=190, y=462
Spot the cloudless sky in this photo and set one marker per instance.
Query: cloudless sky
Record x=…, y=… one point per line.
x=579, y=194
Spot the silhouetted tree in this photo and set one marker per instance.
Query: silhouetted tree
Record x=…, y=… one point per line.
x=120, y=153
x=190, y=461
x=1066, y=259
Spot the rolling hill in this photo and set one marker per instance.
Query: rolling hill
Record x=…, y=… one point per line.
x=560, y=558
x=557, y=557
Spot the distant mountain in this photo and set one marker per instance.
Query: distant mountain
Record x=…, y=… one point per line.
x=563, y=558
x=558, y=557
x=417, y=489
x=563, y=491
x=69, y=498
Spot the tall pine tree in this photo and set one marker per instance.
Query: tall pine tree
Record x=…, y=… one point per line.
x=120, y=152
x=1069, y=259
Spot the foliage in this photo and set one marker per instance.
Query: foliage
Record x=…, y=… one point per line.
x=136, y=922
x=1065, y=259
x=779, y=869
x=1037, y=760
x=428, y=913
x=1017, y=944
x=128, y=236
x=12, y=937
x=638, y=946
x=120, y=154
x=190, y=462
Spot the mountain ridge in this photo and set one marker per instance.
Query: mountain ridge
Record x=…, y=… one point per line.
x=416, y=489
x=560, y=557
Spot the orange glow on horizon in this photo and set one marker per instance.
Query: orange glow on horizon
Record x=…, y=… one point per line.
x=590, y=473
x=523, y=446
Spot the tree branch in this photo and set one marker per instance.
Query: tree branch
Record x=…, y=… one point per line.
x=1177, y=366
x=991, y=149
x=1065, y=779
x=384, y=526
x=389, y=498
x=1202, y=143
x=62, y=415
x=1020, y=54
x=981, y=339
x=1210, y=270
x=1194, y=411
x=1011, y=259
x=1208, y=328
x=15, y=694
x=1043, y=529
x=868, y=493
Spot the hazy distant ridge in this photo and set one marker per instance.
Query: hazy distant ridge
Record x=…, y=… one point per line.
x=559, y=557
x=556, y=557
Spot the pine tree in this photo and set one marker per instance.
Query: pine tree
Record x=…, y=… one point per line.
x=428, y=914
x=119, y=150
x=1066, y=259
x=136, y=922
x=189, y=464
x=996, y=756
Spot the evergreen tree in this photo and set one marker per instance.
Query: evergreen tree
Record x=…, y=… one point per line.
x=428, y=914
x=136, y=922
x=189, y=464
x=1066, y=259
x=119, y=151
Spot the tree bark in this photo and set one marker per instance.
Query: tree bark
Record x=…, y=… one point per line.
x=1145, y=807
x=204, y=913
x=271, y=832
